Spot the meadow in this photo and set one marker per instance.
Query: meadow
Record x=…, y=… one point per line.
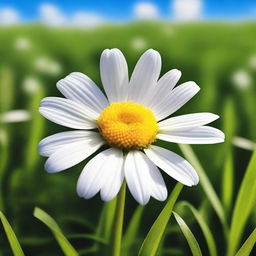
x=220, y=211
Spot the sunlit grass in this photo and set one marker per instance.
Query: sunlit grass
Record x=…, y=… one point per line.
x=220, y=207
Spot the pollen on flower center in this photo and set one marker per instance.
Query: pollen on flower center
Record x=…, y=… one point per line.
x=127, y=125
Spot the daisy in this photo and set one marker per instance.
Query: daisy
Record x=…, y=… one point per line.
x=47, y=65
x=15, y=116
x=22, y=44
x=129, y=120
x=241, y=79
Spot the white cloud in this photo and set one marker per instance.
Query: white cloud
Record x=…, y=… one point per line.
x=51, y=15
x=185, y=10
x=9, y=16
x=89, y=20
x=145, y=10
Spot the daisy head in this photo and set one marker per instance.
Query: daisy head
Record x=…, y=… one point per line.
x=128, y=118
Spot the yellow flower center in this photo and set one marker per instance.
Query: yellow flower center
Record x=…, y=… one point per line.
x=127, y=125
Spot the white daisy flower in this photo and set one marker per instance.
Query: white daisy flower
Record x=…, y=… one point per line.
x=15, y=116
x=241, y=79
x=252, y=62
x=47, y=65
x=22, y=44
x=31, y=85
x=129, y=119
x=139, y=43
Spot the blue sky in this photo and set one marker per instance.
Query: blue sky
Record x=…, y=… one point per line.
x=124, y=10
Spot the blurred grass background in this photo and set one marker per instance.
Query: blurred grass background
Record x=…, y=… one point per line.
x=219, y=57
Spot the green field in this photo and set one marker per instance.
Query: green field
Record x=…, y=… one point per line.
x=209, y=54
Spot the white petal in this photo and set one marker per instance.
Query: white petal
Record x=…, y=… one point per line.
x=67, y=113
x=145, y=76
x=169, y=80
x=175, y=100
x=143, y=178
x=80, y=88
x=197, y=135
x=174, y=165
x=187, y=121
x=115, y=175
x=72, y=154
x=158, y=188
x=52, y=143
x=164, y=87
x=96, y=173
x=114, y=75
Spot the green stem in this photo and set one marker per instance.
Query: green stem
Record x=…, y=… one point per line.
x=116, y=236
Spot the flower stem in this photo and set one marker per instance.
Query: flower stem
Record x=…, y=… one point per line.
x=116, y=237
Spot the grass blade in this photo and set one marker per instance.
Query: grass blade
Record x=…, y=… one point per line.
x=247, y=247
x=36, y=128
x=228, y=183
x=4, y=157
x=65, y=245
x=6, y=88
x=106, y=220
x=132, y=231
x=206, y=184
x=192, y=242
x=88, y=236
x=229, y=128
x=14, y=243
x=104, y=226
x=229, y=121
x=244, y=204
x=155, y=234
x=204, y=227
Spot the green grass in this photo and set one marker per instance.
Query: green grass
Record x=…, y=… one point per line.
x=208, y=54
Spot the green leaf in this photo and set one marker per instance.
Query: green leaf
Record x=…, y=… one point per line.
x=155, y=234
x=204, y=227
x=192, y=242
x=206, y=184
x=14, y=243
x=66, y=247
x=132, y=231
x=244, y=204
x=247, y=247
